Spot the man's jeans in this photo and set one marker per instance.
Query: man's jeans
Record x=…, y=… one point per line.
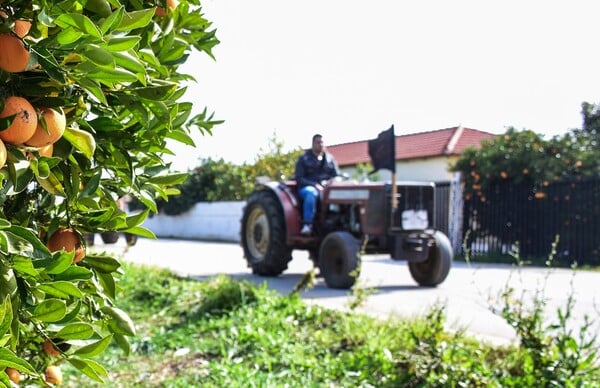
x=309, y=195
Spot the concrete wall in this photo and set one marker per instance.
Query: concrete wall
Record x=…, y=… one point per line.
x=215, y=221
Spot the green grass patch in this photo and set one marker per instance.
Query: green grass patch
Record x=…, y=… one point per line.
x=225, y=332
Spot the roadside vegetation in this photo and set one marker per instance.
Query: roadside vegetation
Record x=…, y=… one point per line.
x=226, y=332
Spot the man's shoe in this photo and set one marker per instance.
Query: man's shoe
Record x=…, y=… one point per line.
x=306, y=230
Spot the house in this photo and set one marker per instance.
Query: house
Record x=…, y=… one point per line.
x=419, y=156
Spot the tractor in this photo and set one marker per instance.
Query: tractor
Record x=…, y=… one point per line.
x=352, y=218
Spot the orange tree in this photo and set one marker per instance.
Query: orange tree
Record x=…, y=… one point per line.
x=111, y=68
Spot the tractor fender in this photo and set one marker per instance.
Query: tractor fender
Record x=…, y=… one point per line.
x=289, y=205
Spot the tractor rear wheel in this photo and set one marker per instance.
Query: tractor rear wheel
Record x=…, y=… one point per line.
x=338, y=260
x=109, y=237
x=433, y=271
x=263, y=235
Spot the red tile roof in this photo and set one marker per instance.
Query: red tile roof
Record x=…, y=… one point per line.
x=443, y=142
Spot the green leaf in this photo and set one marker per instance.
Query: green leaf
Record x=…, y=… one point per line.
x=108, y=76
x=104, y=264
x=82, y=140
x=99, y=56
x=61, y=289
x=16, y=244
x=122, y=43
x=137, y=219
x=90, y=368
x=123, y=343
x=71, y=315
x=49, y=64
x=10, y=360
x=95, y=348
x=107, y=281
x=50, y=310
x=76, y=331
x=6, y=122
x=156, y=93
x=6, y=316
x=148, y=200
x=21, y=179
x=4, y=223
x=92, y=88
x=74, y=272
x=39, y=249
x=24, y=265
x=68, y=36
x=135, y=19
x=170, y=179
x=129, y=61
x=99, y=7
x=90, y=188
x=59, y=263
x=113, y=20
x=79, y=22
x=105, y=124
x=181, y=137
x=141, y=231
x=51, y=184
x=123, y=324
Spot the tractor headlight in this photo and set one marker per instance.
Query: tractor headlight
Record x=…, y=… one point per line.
x=414, y=219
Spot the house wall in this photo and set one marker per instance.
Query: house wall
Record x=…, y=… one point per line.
x=430, y=169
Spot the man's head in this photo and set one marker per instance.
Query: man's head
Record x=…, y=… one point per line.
x=317, y=144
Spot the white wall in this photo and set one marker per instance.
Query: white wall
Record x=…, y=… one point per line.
x=216, y=221
x=430, y=169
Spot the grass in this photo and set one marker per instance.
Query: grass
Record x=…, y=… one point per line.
x=226, y=332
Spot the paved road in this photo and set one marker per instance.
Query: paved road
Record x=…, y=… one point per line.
x=467, y=293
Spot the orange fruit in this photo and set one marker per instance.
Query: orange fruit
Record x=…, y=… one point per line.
x=172, y=4
x=53, y=375
x=13, y=374
x=69, y=240
x=22, y=28
x=46, y=151
x=14, y=57
x=3, y=154
x=23, y=125
x=49, y=348
x=49, y=129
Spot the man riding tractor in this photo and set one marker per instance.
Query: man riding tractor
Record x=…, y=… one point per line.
x=338, y=221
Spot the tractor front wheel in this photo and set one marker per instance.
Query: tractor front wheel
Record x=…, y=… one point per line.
x=131, y=239
x=263, y=235
x=339, y=260
x=433, y=271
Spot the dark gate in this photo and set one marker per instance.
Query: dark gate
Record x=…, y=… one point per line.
x=532, y=217
x=442, y=206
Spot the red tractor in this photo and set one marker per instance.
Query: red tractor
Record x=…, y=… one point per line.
x=352, y=218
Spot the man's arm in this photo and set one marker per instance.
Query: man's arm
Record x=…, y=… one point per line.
x=333, y=165
x=336, y=167
x=300, y=174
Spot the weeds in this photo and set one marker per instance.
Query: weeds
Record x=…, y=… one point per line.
x=224, y=332
x=549, y=354
x=360, y=293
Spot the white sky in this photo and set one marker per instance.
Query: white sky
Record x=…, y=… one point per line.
x=349, y=69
